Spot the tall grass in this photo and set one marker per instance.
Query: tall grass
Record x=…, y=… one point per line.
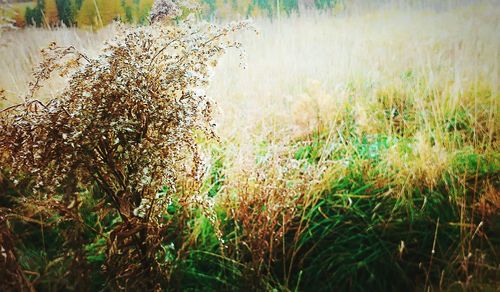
x=357, y=152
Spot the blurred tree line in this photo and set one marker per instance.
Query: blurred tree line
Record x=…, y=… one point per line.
x=86, y=12
x=269, y=8
x=101, y=12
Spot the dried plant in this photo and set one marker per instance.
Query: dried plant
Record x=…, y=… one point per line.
x=265, y=211
x=164, y=9
x=126, y=122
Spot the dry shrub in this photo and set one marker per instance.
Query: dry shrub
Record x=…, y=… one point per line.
x=125, y=123
x=265, y=210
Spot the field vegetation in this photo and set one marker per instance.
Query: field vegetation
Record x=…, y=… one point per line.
x=352, y=149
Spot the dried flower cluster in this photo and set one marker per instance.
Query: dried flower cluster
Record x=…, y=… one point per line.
x=164, y=9
x=126, y=122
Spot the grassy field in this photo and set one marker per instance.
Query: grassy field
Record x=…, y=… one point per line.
x=357, y=152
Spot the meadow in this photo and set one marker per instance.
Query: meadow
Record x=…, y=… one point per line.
x=357, y=151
